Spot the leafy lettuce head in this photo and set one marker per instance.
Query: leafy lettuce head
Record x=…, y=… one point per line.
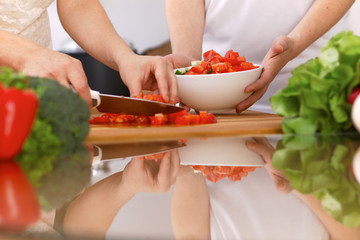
x=315, y=99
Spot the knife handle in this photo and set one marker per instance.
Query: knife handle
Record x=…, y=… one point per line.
x=95, y=97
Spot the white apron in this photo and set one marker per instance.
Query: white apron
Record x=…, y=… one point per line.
x=250, y=26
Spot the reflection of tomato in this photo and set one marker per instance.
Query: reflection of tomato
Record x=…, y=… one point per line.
x=216, y=173
x=19, y=206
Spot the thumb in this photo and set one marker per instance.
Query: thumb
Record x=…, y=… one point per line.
x=280, y=45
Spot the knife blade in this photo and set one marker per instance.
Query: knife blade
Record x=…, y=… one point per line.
x=127, y=105
x=107, y=152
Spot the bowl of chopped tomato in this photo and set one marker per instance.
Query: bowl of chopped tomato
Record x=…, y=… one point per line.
x=216, y=83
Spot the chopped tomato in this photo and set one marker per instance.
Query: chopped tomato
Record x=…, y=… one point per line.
x=158, y=119
x=154, y=97
x=203, y=68
x=124, y=118
x=214, y=63
x=210, y=54
x=219, y=68
x=142, y=120
x=141, y=96
x=172, y=116
x=101, y=119
x=207, y=117
x=183, y=120
x=179, y=118
x=195, y=119
x=216, y=59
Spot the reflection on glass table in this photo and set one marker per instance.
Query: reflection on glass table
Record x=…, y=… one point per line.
x=299, y=188
x=54, y=178
x=261, y=204
x=321, y=171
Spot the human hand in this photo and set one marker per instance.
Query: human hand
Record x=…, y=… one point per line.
x=263, y=147
x=276, y=58
x=152, y=73
x=180, y=61
x=59, y=66
x=155, y=175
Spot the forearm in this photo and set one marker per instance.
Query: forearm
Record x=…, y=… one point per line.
x=335, y=229
x=186, y=19
x=14, y=50
x=88, y=24
x=320, y=18
x=94, y=210
x=190, y=206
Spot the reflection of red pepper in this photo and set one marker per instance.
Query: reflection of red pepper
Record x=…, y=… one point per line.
x=19, y=206
x=17, y=113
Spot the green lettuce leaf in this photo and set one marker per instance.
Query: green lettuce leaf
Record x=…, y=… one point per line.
x=315, y=99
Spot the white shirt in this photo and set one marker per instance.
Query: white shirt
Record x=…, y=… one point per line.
x=250, y=26
x=27, y=18
x=253, y=209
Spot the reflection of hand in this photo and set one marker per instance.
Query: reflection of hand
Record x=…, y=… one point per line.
x=263, y=147
x=61, y=67
x=142, y=175
x=149, y=73
x=276, y=58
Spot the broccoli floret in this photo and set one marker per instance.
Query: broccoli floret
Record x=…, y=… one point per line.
x=64, y=110
x=39, y=152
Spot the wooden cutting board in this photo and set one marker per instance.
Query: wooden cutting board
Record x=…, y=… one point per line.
x=246, y=123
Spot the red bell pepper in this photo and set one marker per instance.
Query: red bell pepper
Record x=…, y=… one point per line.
x=17, y=113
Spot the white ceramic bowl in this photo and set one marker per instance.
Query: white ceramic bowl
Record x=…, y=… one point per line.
x=216, y=92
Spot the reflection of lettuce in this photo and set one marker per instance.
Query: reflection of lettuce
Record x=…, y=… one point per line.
x=315, y=99
x=320, y=166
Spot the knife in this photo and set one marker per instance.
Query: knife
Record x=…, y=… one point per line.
x=109, y=152
x=127, y=105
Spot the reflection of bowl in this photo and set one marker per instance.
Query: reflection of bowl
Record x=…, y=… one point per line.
x=219, y=152
x=216, y=92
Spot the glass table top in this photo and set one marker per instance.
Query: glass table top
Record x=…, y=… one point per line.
x=238, y=187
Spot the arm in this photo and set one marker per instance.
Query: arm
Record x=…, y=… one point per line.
x=34, y=60
x=320, y=18
x=93, y=211
x=190, y=206
x=88, y=24
x=335, y=229
x=186, y=19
